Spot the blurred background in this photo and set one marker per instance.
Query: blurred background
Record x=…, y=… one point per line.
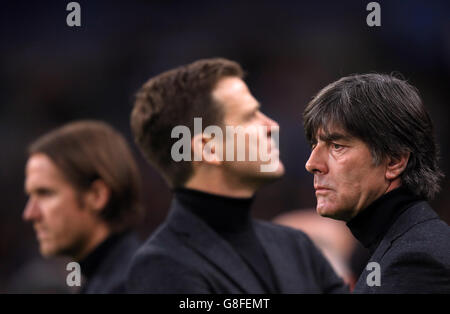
x=52, y=74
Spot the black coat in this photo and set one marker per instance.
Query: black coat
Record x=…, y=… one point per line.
x=113, y=264
x=414, y=255
x=186, y=256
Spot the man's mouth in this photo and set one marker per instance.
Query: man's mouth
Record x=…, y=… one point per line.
x=321, y=189
x=40, y=233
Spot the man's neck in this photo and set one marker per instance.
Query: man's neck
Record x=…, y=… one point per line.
x=99, y=235
x=216, y=184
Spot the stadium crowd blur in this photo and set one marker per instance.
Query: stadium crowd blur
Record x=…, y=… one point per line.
x=52, y=74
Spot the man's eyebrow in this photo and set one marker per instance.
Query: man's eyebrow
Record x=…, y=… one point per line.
x=334, y=136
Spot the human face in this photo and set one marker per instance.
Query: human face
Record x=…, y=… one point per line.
x=346, y=178
x=241, y=109
x=62, y=225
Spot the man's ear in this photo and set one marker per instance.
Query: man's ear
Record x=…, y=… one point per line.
x=197, y=147
x=396, y=166
x=97, y=197
x=204, y=148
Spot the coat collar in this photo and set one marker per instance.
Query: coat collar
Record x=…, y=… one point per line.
x=372, y=223
x=203, y=240
x=207, y=243
x=284, y=261
x=411, y=217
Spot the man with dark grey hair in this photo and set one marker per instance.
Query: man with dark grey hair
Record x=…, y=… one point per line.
x=374, y=160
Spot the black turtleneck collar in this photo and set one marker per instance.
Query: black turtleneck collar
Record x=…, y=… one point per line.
x=230, y=218
x=91, y=262
x=222, y=213
x=371, y=224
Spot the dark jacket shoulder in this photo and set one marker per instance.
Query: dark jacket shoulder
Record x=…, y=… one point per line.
x=414, y=255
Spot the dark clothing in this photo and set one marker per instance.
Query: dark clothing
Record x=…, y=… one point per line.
x=409, y=242
x=104, y=269
x=372, y=223
x=230, y=218
x=192, y=252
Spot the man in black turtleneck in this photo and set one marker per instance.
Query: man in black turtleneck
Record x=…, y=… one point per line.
x=374, y=161
x=231, y=220
x=209, y=243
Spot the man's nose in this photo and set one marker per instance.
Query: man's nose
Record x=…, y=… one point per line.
x=316, y=163
x=32, y=211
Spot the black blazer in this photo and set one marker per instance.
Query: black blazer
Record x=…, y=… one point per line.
x=186, y=256
x=414, y=255
x=110, y=274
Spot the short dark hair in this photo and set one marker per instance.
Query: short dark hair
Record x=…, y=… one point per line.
x=174, y=98
x=87, y=150
x=386, y=113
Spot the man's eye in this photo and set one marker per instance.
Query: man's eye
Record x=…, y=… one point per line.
x=44, y=192
x=336, y=146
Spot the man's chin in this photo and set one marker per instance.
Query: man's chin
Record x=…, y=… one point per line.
x=273, y=169
x=268, y=177
x=47, y=251
x=333, y=213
